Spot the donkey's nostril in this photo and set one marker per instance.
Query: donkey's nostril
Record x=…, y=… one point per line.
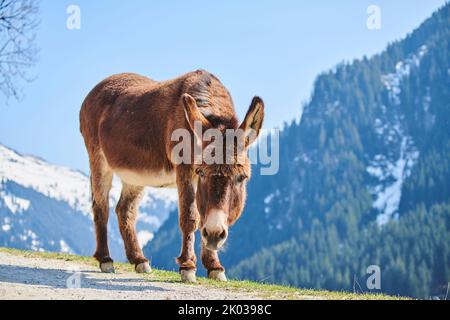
x=204, y=233
x=223, y=235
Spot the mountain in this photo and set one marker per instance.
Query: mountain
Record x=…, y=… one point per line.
x=45, y=207
x=364, y=180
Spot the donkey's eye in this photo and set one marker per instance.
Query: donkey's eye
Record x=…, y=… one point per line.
x=240, y=178
x=200, y=173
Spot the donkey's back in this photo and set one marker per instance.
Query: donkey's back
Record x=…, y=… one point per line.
x=104, y=98
x=128, y=119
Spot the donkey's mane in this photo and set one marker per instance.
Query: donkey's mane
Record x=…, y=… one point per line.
x=202, y=92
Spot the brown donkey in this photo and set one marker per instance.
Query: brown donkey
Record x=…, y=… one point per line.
x=127, y=122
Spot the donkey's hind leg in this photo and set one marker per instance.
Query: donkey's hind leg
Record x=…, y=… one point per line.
x=127, y=212
x=101, y=180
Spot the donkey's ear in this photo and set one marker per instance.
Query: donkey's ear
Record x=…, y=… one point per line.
x=192, y=112
x=253, y=121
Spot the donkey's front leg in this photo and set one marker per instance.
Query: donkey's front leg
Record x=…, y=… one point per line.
x=188, y=220
x=210, y=260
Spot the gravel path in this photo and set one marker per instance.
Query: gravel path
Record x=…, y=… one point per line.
x=38, y=278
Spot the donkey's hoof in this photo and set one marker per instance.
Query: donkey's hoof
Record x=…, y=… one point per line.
x=143, y=267
x=218, y=275
x=107, y=267
x=188, y=276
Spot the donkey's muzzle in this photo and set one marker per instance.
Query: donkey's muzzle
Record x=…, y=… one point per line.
x=214, y=240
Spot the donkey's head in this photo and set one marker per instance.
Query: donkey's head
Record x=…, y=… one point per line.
x=222, y=174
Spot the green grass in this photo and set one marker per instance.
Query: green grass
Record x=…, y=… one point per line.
x=258, y=289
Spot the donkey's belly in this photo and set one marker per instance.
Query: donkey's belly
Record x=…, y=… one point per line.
x=160, y=179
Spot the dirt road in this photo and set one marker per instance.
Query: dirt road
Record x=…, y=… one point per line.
x=38, y=278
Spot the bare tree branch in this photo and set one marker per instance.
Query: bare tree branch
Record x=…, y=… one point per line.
x=18, y=23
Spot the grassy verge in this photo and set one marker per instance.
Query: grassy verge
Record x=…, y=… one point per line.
x=257, y=289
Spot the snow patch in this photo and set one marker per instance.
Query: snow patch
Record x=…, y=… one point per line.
x=64, y=247
x=149, y=219
x=33, y=240
x=13, y=203
x=390, y=176
x=390, y=170
x=392, y=81
x=269, y=198
x=144, y=237
x=427, y=100
x=330, y=108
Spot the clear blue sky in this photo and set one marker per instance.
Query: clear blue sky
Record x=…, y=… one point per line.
x=271, y=48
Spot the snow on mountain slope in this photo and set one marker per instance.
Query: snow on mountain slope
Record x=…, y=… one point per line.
x=53, y=181
x=32, y=191
x=390, y=170
x=392, y=81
